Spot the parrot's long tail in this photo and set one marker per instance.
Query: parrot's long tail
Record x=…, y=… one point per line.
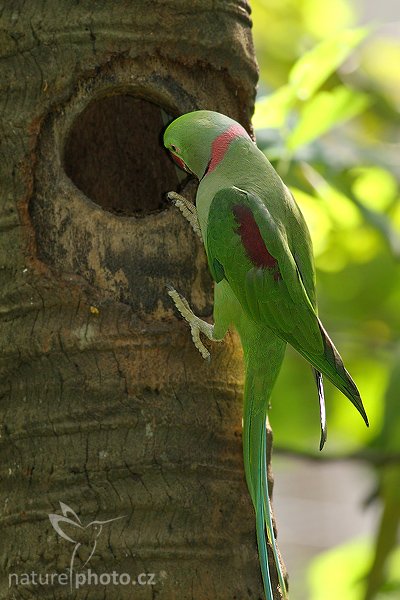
x=257, y=390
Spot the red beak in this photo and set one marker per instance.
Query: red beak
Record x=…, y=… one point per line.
x=179, y=162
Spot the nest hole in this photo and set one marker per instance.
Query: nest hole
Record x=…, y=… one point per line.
x=114, y=155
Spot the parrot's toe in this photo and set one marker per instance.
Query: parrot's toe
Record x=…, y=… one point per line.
x=188, y=210
x=199, y=344
x=197, y=326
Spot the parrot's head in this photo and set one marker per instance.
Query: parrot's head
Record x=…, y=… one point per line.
x=198, y=140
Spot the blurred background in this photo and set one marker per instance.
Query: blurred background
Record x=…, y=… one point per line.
x=327, y=116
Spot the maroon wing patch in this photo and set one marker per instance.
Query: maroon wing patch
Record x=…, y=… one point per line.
x=252, y=240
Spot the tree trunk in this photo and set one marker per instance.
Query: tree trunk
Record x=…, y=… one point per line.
x=106, y=406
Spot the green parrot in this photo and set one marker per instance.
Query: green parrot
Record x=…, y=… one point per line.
x=260, y=256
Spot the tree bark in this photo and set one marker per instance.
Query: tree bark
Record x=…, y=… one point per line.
x=105, y=404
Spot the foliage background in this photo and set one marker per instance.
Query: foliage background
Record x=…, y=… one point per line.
x=327, y=116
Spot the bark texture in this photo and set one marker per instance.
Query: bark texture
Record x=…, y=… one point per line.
x=105, y=405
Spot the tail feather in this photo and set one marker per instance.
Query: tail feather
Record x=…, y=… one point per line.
x=267, y=511
x=331, y=365
x=322, y=411
x=260, y=496
x=337, y=373
x=262, y=550
x=254, y=450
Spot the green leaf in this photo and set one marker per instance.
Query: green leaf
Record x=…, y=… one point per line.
x=316, y=217
x=376, y=187
x=341, y=210
x=272, y=111
x=340, y=572
x=379, y=183
x=389, y=436
x=338, y=194
x=314, y=67
x=324, y=111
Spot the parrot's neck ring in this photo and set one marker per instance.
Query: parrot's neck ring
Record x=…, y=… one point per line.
x=221, y=144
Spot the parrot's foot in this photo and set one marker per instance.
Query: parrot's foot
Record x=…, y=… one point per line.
x=197, y=325
x=188, y=210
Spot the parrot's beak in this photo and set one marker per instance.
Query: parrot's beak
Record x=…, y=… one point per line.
x=181, y=164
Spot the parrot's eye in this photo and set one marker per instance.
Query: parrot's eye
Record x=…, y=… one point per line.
x=174, y=148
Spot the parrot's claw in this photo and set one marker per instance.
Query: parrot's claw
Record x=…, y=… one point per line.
x=196, y=325
x=195, y=331
x=188, y=210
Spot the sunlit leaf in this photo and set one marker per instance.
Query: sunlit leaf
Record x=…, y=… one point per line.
x=314, y=67
x=362, y=245
x=395, y=214
x=381, y=60
x=324, y=19
x=382, y=224
x=341, y=209
x=339, y=198
x=324, y=111
x=389, y=437
x=272, y=111
x=371, y=378
x=339, y=573
x=316, y=217
x=374, y=186
x=378, y=220
x=332, y=262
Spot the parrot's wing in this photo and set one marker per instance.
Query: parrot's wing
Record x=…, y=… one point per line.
x=248, y=248
x=251, y=251
x=301, y=246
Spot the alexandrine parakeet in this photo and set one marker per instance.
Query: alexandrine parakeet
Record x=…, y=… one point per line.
x=260, y=257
